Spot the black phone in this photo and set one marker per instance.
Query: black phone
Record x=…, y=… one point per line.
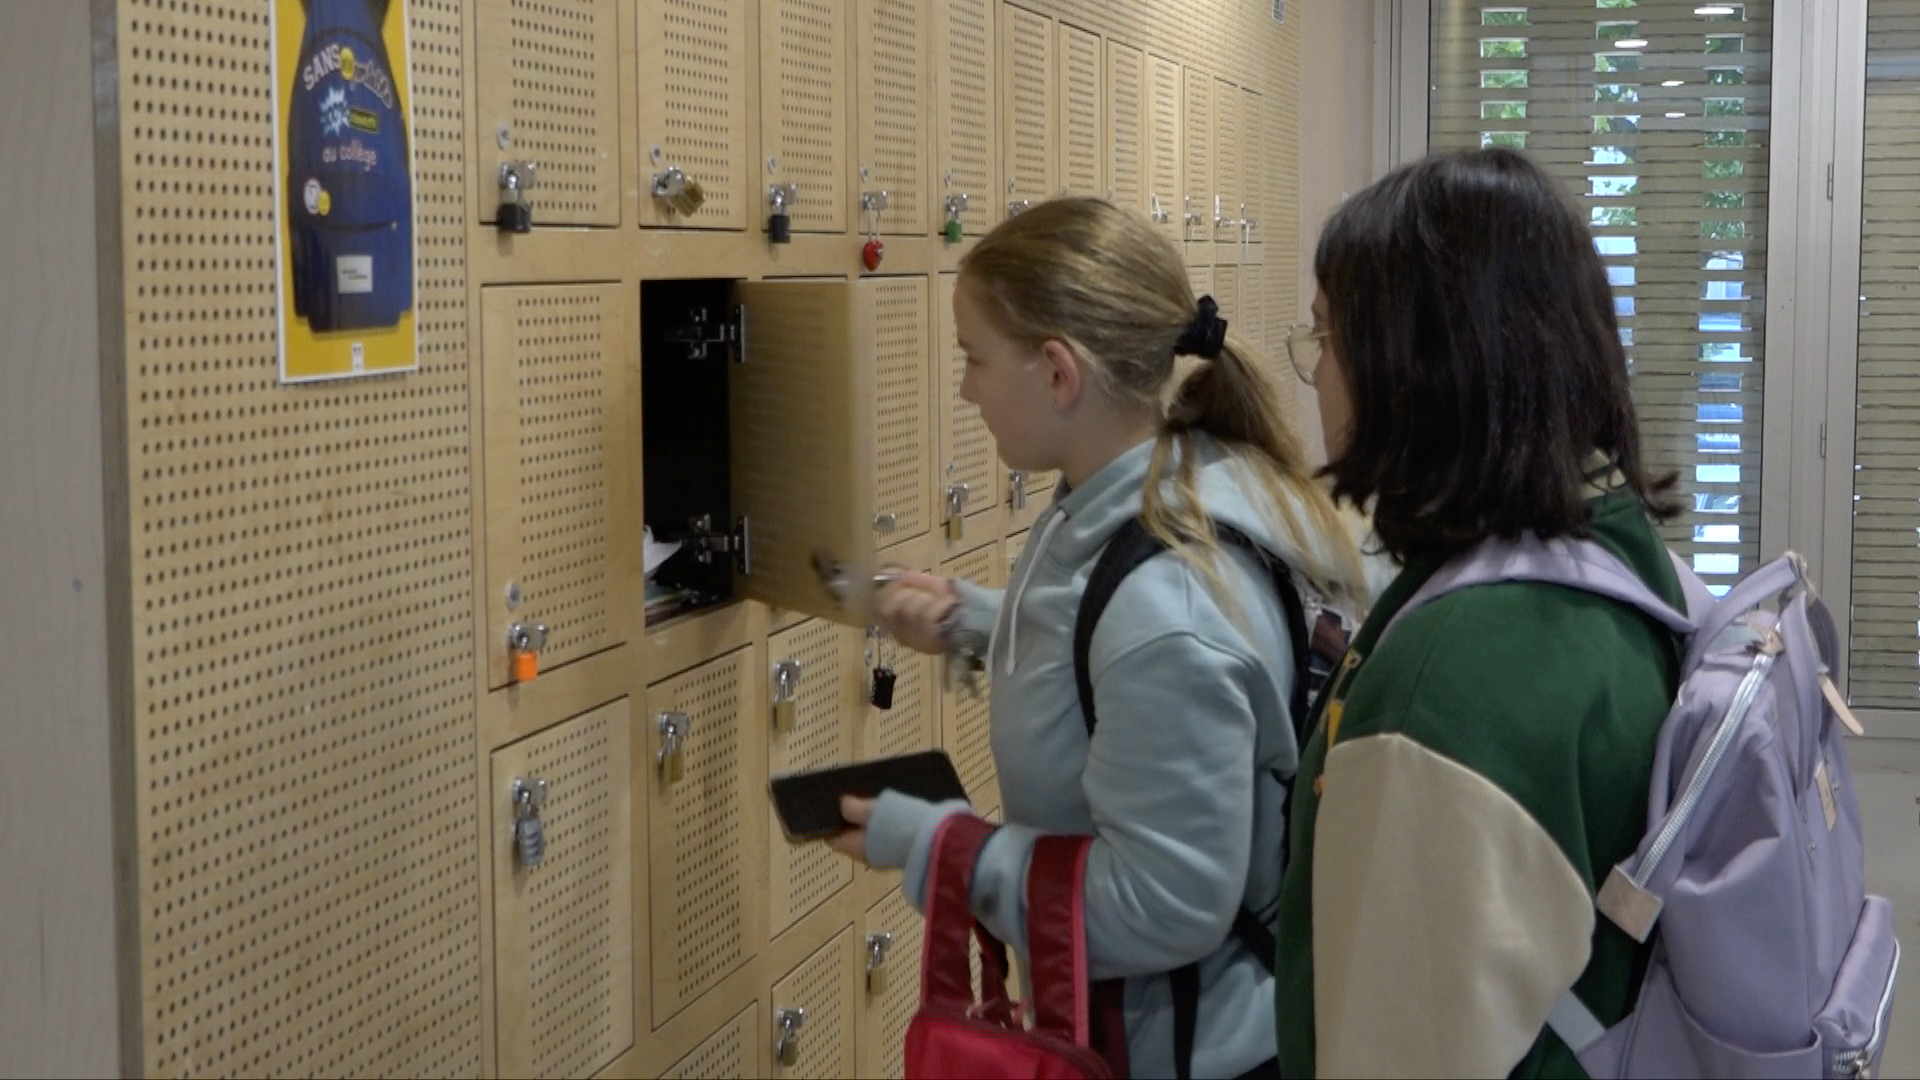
x=809, y=802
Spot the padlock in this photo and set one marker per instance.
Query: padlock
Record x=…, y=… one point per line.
x=781, y=198
x=786, y=695
x=871, y=253
x=1017, y=489
x=529, y=835
x=878, y=945
x=873, y=204
x=880, y=693
x=515, y=214
x=786, y=1043
x=957, y=494
x=674, y=727
x=955, y=228
x=524, y=642
x=682, y=193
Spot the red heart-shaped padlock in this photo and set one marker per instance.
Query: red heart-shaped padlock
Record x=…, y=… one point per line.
x=870, y=255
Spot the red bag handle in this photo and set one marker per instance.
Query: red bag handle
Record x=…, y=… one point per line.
x=945, y=971
x=1057, y=937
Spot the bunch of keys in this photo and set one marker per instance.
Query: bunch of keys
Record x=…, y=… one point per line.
x=882, y=679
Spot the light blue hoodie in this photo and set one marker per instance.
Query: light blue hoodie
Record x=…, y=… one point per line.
x=1178, y=784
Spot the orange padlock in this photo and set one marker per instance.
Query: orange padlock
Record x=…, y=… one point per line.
x=526, y=665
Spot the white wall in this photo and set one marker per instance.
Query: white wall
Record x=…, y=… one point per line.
x=1336, y=137
x=59, y=996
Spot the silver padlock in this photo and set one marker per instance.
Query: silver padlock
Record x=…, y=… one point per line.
x=786, y=694
x=957, y=494
x=877, y=947
x=674, y=728
x=786, y=1040
x=780, y=201
x=1017, y=489
x=885, y=524
x=529, y=834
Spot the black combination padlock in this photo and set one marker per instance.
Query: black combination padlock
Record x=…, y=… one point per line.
x=881, y=690
x=516, y=213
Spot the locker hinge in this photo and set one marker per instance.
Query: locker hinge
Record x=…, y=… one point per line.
x=703, y=331
x=1829, y=181
x=706, y=542
x=1823, y=440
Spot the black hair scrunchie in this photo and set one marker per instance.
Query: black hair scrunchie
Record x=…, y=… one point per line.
x=1206, y=335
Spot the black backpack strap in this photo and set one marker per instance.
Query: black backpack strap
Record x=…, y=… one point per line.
x=1131, y=546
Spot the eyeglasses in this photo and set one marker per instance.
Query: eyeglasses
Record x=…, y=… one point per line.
x=1305, y=346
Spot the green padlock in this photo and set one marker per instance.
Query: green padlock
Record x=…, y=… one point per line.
x=956, y=205
x=954, y=230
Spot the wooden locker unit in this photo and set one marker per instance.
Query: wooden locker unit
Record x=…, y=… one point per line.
x=894, y=46
x=1165, y=121
x=966, y=453
x=1082, y=106
x=890, y=989
x=1229, y=151
x=549, y=95
x=563, y=928
x=1197, y=167
x=903, y=436
x=735, y=1052
x=803, y=107
x=1028, y=117
x=966, y=103
x=560, y=477
x=810, y=733
x=707, y=828
x=824, y=988
x=693, y=111
x=964, y=730
x=1128, y=108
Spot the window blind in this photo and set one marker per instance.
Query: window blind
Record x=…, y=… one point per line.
x=1884, y=659
x=1654, y=115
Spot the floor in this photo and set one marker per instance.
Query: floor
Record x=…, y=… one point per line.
x=1886, y=775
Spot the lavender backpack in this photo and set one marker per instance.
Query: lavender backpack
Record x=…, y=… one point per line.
x=1771, y=960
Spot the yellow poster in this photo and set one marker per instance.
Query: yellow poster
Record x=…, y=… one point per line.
x=343, y=176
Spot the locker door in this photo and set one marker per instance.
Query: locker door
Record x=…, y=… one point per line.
x=549, y=95
x=1256, y=172
x=803, y=117
x=890, y=987
x=1163, y=126
x=903, y=434
x=963, y=717
x=808, y=732
x=1229, y=150
x=966, y=95
x=1082, y=130
x=561, y=398
x=966, y=448
x=693, y=111
x=893, y=46
x=1127, y=135
x=821, y=996
x=1029, y=120
x=735, y=1052
x=1197, y=164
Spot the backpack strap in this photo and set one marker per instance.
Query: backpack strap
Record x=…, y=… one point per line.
x=945, y=975
x=1130, y=547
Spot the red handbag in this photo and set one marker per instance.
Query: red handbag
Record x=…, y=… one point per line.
x=1077, y=1030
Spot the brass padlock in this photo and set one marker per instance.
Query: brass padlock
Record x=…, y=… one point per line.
x=877, y=947
x=674, y=727
x=786, y=695
x=957, y=494
x=682, y=193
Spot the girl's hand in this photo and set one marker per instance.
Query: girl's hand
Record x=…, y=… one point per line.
x=915, y=610
x=853, y=842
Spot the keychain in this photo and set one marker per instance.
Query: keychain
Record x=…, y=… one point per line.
x=880, y=686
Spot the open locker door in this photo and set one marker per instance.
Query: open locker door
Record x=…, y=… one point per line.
x=801, y=424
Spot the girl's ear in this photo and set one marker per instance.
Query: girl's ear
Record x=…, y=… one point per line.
x=1066, y=373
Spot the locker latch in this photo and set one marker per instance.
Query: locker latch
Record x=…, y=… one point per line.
x=524, y=642
x=1158, y=213
x=877, y=948
x=1191, y=219
x=704, y=330
x=706, y=543
x=515, y=213
x=529, y=835
x=786, y=1042
x=780, y=201
x=786, y=694
x=674, y=728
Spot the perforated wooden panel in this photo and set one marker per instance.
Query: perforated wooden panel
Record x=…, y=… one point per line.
x=1228, y=151
x=564, y=928
x=894, y=47
x=549, y=73
x=693, y=109
x=1226, y=292
x=707, y=830
x=731, y=1052
x=1082, y=138
x=803, y=105
x=1016, y=545
x=801, y=441
x=966, y=103
x=804, y=876
x=1252, y=323
x=967, y=454
x=1255, y=169
x=1027, y=118
x=909, y=725
x=1164, y=123
x=1126, y=126
x=1196, y=164
x=903, y=431
x=559, y=383
x=884, y=1022
x=824, y=986
x=964, y=730
x=1201, y=277
x=301, y=593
